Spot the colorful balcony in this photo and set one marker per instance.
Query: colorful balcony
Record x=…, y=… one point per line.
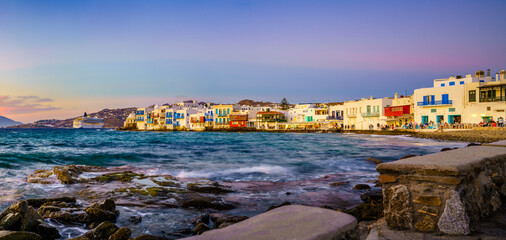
x=397, y=111
x=435, y=103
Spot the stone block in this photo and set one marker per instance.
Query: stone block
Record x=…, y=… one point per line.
x=428, y=200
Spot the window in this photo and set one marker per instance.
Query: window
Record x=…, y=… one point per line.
x=442, y=84
x=472, y=96
x=488, y=108
x=452, y=83
x=451, y=110
x=368, y=108
x=482, y=80
x=461, y=82
x=433, y=110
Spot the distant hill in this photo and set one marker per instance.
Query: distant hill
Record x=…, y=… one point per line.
x=7, y=122
x=253, y=103
x=113, y=118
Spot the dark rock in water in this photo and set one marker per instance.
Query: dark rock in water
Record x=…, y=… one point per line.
x=69, y=174
x=102, y=231
x=46, y=231
x=122, y=234
x=69, y=217
x=220, y=219
x=194, y=200
x=199, y=229
x=135, y=219
x=20, y=217
x=19, y=235
x=201, y=218
x=446, y=149
x=280, y=205
x=36, y=203
x=150, y=237
x=106, y=211
x=212, y=187
x=408, y=156
x=361, y=187
x=374, y=160
x=338, y=183
x=376, y=196
x=473, y=144
x=367, y=211
x=327, y=207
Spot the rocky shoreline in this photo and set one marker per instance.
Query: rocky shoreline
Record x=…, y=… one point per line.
x=97, y=193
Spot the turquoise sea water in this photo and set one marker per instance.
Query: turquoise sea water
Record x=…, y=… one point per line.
x=277, y=157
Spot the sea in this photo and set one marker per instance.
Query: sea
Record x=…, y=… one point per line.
x=294, y=158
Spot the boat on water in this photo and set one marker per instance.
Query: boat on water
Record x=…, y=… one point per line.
x=88, y=122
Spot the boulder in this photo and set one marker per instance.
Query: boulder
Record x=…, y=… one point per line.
x=101, y=232
x=408, y=156
x=222, y=220
x=212, y=187
x=46, y=231
x=19, y=217
x=36, y=203
x=376, y=195
x=361, y=187
x=446, y=149
x=195, y=200
x=150, y=237
x=200, y=228
x=121, y=234
x=279, y=205
x=135, y=219
x=367, y=211
x=374, y=160
x=18, y=235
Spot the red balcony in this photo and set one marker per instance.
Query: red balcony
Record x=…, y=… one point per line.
x=397, y=111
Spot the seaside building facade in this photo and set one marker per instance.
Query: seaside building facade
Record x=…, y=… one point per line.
x=221, y=115
x=400, y=113
x=366, y=113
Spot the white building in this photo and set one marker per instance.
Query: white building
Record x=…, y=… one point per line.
x=366, y=112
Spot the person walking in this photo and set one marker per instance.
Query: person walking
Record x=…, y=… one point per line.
x=500, y=122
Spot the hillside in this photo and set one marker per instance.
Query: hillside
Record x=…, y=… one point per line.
x=7, y=122
x=253, y=103
x=113, y=118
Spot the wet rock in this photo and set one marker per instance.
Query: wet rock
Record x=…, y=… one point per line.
x=374, y=160
x=361, y=187
x=135, y=219
x=280, y=205
x=19, y=217
x=19, y=235
x=446, y=149
x=338, y=183
x=101, y=232
x=9, y=220
x=473, y=144
x=36, y=203
x=125, y=176
x=69, y=174
x=201, y=218
x=150, y=237
x=106, y=211
x=454, y=220
x=42, y=177
x=376, y=196
x=46, y=231
x=367, y=211
x=222, y=220
x=69, y=217
x=200, y=228
x=408, y=156
x=121, y=234
x=397, y=207
x=212, y=187
x=194, y=200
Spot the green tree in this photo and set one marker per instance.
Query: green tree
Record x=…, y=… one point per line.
x=284, y=104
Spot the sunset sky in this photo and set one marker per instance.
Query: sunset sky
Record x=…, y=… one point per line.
x=61, y=58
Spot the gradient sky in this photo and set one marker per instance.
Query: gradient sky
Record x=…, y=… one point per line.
x=61, y=58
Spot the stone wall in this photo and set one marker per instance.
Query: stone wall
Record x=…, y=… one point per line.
x=447, y=192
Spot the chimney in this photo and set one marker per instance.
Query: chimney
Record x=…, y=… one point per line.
x=396, y=96
x=488, y=72
x=497, y=76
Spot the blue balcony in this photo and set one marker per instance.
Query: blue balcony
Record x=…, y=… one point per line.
x=335, y=118
x=139, y=113
x=435, y=103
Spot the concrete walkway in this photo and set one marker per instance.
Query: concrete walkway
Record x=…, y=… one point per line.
x=293, y=222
